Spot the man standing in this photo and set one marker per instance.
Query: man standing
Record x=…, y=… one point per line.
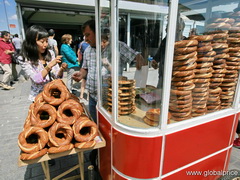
x=52, y=42
x=17, y=42
x=6, y=51
x=89, y=69
x=82, y=47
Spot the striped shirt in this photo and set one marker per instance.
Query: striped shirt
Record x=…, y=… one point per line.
x=127, y=55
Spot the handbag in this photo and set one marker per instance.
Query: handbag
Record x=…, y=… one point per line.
x=49, y=73
x=15, y=58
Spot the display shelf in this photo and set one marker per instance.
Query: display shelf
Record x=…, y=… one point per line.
x=135, y=119
x=100, y=142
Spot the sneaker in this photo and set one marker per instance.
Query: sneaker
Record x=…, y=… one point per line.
x=1, y=84
x=12, y=83
x=236, y=143
x=5, y=86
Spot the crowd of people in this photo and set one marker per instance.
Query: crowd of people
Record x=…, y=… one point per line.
x=41, y=60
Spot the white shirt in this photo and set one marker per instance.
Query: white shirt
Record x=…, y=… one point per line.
x=17, y=42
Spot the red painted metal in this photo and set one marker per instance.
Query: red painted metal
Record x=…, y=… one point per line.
x=118, y=177
x=209, y=169
x=191, y=144
x=137, y=157
x=105, y=153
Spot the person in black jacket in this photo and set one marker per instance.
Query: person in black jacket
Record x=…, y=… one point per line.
x=159, y=58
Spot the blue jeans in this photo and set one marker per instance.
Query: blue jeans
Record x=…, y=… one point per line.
x=92, y=108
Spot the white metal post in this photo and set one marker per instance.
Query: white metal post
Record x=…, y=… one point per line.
x=115, y=54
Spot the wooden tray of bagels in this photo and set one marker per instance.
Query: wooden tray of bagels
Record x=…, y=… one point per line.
x=57, y=125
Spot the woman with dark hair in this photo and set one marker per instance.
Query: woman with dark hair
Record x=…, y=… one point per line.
x=37, y=61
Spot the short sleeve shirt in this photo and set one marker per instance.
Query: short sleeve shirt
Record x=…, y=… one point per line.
x=52, y=42
x=127, y=55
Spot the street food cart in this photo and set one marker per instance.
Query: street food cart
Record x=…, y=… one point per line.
x=184, y=129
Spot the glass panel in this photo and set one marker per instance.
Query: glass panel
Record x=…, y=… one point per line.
x=206, y=58
x=139, y=92
x=105, y=64
x=205, y=66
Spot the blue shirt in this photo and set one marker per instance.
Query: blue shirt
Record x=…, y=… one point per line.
x=69, y=56
x=83, y=45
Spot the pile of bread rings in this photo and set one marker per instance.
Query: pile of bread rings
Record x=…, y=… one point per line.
x=229, y=38
x=126, y=96
x=215, y=67
x=220, y=46
x=56, y=122
x=220, y=24
x=184, y=65
x=229, y=83
x=203, y=73
x=152, y=117
x=232, y=63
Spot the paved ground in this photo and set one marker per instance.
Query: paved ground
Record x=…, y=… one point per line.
x=13, y=111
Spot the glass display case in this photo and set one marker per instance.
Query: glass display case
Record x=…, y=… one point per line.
x=136, y=43
x=167, y=70
x=204, y=60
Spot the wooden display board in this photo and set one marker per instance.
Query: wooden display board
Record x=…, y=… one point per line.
x=100, y=142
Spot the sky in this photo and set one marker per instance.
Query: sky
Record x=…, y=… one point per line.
x=9, y=16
